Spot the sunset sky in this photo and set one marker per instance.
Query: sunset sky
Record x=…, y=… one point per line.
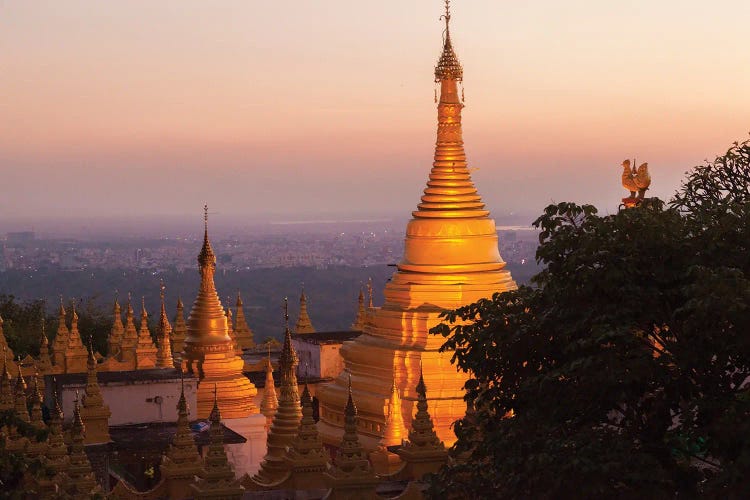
x=300, y=107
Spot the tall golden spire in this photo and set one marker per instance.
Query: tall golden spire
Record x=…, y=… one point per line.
x=20, y=405
x=114, y=342
x=359, y=320
x=145, y=350
x=82, y=483
x=351, y=475
x=180, y=328
x=130, y=336
x=44, y=365
x=60, y=344
x=270, y=402
x=451, y=259
x=242, y=331
x=207, y=323
x=423, y=452
x=286, y=421
x=182, y=461
x=450, y=192
x=304, y=325
x=56, y=457
x=208, y=350
x=36, y=448
x=94, y=412
x=36, y=418
x=395, y=430
x=164, y=333
x=75, y=353
x=218, y=479
x=306, y=457
x=233, y=333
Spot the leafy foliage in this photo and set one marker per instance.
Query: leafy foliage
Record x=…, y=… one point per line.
x=623, y=372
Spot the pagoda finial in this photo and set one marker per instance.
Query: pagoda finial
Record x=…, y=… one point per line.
x=286, y=313
x=448, y=66
x=215, y=413
x=206, y=258
x=447, y=16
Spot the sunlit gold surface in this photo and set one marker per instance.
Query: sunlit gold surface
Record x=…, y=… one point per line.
x=451, y=259
x=286, y=419
x=95, y=413
x=209, y=351
x=304, y=324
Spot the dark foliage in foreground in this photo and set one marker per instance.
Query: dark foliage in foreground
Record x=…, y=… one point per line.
x=622, y=373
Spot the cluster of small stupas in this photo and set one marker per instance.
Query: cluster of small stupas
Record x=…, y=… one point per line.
x=66, y=471
x=297, y=459
x=377, y=416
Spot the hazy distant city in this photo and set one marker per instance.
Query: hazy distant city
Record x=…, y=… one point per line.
x=265, y=261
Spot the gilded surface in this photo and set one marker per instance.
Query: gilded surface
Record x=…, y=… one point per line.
x=451, y=259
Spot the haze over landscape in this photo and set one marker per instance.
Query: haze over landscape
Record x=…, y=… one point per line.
x=294, y=110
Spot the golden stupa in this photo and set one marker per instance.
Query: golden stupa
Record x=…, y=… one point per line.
x=209, y=351
x=451, y=259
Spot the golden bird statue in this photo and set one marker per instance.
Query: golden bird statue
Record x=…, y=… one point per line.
x=635, y=180
x=627, y=178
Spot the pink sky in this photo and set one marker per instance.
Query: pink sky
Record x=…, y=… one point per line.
x=148, y=107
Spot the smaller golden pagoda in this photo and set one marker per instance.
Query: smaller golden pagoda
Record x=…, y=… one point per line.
x=208, y=350
x=182, y=463
x=56, y=456
x=6, y=386
x=129, y=336
x=145, y=350
x=306, y=457
x=217, y=481
x=35, y=414
x=383, y=460
x=75, y=353
x=20, y=405
x=82, y=483
x=270, y=402
x=114, y=341
x=60, y=344
x=44, y=364
x=424, y=452
x=286, y=421
x=233, y=333
x=351, y=475
x=95, y=413
x=304, y=325
x=243, y=333
x=359, y=320
x=164, y=354
x=180, y=329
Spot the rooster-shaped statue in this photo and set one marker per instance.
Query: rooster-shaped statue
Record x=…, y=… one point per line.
x=637, y=181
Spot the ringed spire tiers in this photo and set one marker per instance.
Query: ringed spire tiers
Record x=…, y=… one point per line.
x=451, y=259
x=209, y=351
